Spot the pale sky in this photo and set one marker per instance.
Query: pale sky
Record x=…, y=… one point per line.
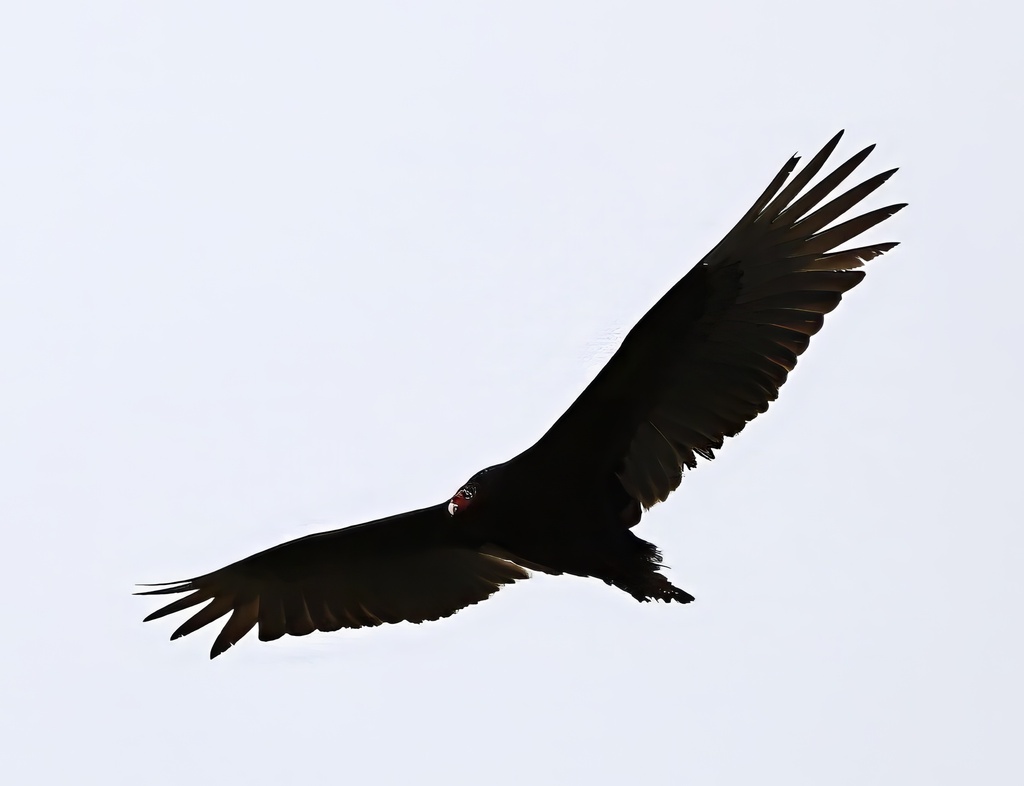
x=267, y=270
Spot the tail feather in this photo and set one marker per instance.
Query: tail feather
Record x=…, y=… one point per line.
x=636, y=570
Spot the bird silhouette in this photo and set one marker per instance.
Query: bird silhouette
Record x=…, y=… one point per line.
x=702, y=363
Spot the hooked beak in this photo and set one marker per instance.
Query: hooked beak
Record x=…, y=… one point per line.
x=459, y=502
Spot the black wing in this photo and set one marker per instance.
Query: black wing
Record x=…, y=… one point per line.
x=409, y=567
x=713, y=352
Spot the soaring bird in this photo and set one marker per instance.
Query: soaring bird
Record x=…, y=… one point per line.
x=702, y=363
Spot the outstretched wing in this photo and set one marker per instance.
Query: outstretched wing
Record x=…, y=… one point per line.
x=409, y=567
x=714, y=351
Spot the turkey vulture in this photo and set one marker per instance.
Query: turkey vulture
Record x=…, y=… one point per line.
x=704, y=361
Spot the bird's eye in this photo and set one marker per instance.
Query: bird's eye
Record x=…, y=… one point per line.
x=467, y=494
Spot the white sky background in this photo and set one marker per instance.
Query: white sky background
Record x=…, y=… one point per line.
x=266, y=271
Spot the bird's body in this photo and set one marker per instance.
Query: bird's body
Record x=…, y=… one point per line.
x=705, y=360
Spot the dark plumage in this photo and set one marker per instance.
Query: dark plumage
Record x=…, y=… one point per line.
x=704, y=361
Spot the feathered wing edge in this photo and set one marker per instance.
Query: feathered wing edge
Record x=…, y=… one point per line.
x=414, y=587
x=771, y=280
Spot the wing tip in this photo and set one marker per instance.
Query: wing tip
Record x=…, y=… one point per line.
x=167, y=587
x=832, y=143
